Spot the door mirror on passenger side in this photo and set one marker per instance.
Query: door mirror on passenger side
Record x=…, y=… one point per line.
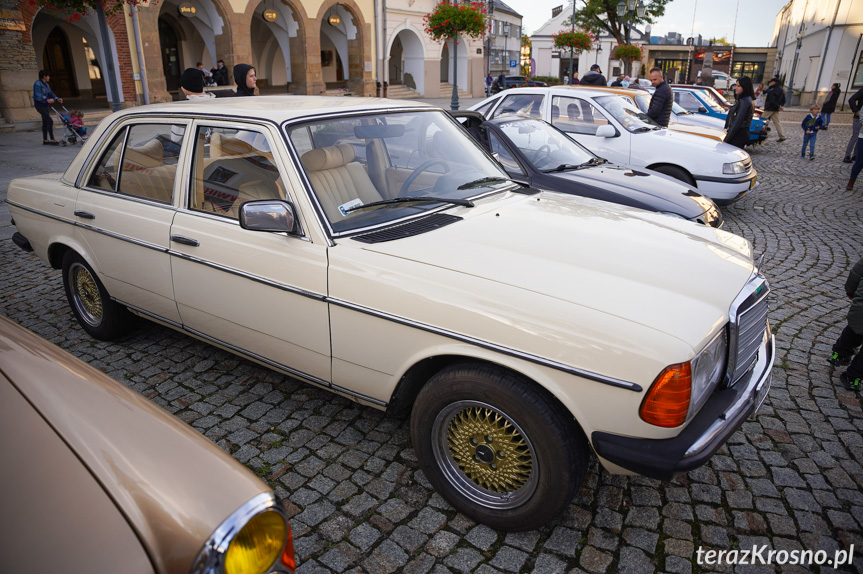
x=702, y=110
x=268, y=215
x=606, y=131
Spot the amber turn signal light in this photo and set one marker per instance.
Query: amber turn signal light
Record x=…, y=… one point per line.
x=288, y=558
x=667, y=401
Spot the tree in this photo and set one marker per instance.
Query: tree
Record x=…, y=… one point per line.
x=600, y=16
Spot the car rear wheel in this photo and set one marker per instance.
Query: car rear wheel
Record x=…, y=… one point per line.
x=497, y=449
x=676, y=173
x=101, y=317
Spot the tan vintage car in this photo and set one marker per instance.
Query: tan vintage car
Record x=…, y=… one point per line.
x=96, y=478
x=372, y=248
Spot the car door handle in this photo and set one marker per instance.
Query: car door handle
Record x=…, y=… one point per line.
x=185, y=240
x=84, y=215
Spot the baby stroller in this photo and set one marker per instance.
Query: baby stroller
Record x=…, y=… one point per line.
x=71, y=133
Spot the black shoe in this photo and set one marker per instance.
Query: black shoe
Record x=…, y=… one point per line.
x=847, y=160
x=838, y=361
x=824, y=127
x=848, y=382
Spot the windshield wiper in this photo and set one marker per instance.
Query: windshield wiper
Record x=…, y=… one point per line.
x=481, y=181
x=589, y=163
x=418, y=199
x=642, y=129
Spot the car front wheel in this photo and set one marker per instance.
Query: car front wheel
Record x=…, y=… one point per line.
x=497, y=449
x=101, y=317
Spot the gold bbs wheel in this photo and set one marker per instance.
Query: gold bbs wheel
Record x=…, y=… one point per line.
x=485, y=454
x=86, y=295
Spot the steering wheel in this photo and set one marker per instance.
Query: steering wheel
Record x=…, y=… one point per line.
x=543, y=153
x=421, y=168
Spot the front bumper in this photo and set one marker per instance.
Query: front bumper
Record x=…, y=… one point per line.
x=725, y=411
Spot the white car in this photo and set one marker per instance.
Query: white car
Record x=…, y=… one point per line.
x=618, y=131
x=522, y=329
x=680, y=114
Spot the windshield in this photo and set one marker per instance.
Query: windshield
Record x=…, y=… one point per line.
x=718, y=97
x=643, y=101
x=630, y=117
x=709, y=100
x=544, y=146
x=363, y=159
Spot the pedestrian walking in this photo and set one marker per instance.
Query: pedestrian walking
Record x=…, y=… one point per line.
x=488, y=83
x=594, y=77
x=858, y=163
x=565, y=79
x=740, y=115
x=830, y=105
x=855, y=103
x=812, y=124
x=852, y=335
x=43, y=99
x=661, y=102
x=574, y=81
x=618, y=82
x=245, y=77
x=774, y=99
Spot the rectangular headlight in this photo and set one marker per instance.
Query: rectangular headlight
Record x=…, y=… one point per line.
x=708, y=367
x=734, y=168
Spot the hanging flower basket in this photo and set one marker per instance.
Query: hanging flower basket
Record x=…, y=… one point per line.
x=627, y=53
x=576, y=41
x=454, y=20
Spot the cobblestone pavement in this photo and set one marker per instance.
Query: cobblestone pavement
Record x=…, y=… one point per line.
x=789, y=479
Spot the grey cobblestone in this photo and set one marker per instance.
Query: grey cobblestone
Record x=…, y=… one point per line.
x=790, y=478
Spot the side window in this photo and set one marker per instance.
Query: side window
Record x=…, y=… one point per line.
x=108, y=169
x=145, y=156
x=522, y=105
x=504, y=156
x=485, y=109
x=687, y=101
x=232, y=167
x=577, y=116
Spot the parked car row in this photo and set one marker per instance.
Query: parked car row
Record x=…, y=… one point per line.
x=375, y=249
x=516, y=82
x=710, y=103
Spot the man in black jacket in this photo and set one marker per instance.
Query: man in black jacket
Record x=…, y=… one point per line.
x=856, y=102
x=594, y=77
x=660, y=103
x=774, y=99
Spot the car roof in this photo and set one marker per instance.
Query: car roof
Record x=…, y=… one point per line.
x=276, y=108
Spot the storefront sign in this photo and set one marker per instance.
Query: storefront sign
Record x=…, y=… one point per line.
x=11, y=20
x=270, y=15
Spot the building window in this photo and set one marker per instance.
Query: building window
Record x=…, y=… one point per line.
x=754, y=70
x=858, y=72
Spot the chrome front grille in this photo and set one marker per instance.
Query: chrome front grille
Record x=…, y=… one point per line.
x=747, y=163
x=749, y=320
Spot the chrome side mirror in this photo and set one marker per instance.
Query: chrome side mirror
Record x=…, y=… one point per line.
x=268, y=215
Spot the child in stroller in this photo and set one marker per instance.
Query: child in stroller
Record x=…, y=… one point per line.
x=73, y=127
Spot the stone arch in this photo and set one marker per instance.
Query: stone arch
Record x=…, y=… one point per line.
x=279, y=47
x=356, y=52
x=411, y=56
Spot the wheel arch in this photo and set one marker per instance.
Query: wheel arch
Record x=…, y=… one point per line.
x=421, y=372
x=658, y=166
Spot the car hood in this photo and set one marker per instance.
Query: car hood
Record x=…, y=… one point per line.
x=702, y=120
x=602, y=256
x=158, y=470
x=667, y=143
x=661, y=193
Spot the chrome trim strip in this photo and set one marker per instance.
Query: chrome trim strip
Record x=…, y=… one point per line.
x=42, y=213
x=751, y=397
x=755, y=281
x=715, y=179
x=150, y=314
x=255, y=278
x=491, y=346
x=324, y=298
x=122, y=238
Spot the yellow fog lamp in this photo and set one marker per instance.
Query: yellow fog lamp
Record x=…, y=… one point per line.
x=257, y=545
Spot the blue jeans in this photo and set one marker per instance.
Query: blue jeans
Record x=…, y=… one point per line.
x=858, y=163
x=810, y=139
x=826, y=119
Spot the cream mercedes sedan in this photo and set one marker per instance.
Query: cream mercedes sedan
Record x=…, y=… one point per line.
x=372, y=248
x=96, y=478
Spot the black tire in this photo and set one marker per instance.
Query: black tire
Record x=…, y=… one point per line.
x=536, y=467
x=676, y=173
x=100, y=316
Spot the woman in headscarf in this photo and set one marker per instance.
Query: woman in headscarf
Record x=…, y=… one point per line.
x=245, y=77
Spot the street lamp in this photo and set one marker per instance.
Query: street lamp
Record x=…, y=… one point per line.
x=625, y=11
